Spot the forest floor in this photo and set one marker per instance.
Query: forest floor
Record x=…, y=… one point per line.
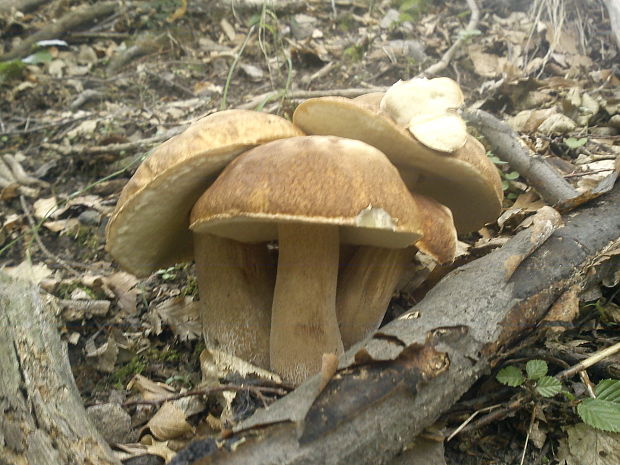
x=83, y=104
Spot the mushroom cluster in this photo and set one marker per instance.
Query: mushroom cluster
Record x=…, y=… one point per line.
x=349, y=192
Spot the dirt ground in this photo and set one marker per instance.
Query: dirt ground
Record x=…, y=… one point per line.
x=81, y=109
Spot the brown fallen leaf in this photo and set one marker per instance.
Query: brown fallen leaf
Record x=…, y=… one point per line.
x=169, y=423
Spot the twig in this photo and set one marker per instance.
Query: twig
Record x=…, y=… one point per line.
x=299, y=94
x=170, y=83
x=447, y=57
x=551, y=186
x=494, y=416
x=527, y=437
x=207, y=391
x=44, y=249
x=469, y=420
x=56, y=29
x=517, y=403
x=82, y=307
x=41, y=127
x=588, y=173
x=591, y=360
x=112, y=148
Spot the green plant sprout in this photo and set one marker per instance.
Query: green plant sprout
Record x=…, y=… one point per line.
x=601, y=412
x=267, y=22
x=574, y=143
x=231, y=70
x=506, y=177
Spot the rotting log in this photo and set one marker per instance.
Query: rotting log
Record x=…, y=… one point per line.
x=393, y=385
x=42, y=417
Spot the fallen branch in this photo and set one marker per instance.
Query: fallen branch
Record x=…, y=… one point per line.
x=57, y=29
x=42, y=419
x=23, y=6
x=141, y=145
x=442, y=64
x=551, y=186
x=393, y=385
x=303, y=94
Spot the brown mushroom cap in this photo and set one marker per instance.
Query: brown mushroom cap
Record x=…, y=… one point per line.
x=465, y=180
x=149, y=229
x=311, y=193
x=312, y=179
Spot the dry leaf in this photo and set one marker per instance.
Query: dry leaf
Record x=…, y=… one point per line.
x=182, y=315
x=169, y=423
x=150, y=390
x=28, y=272
x=123, y=285
x=46, y=208
x=215, y=364
x=587, y=446
x=104, y=356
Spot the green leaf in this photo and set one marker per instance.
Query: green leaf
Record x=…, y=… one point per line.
x=511, y=176
x=573, y=143
x=609, y=390
x=600, y=414
x=548, y=386
x=536, y=369
x=505, y=185
x=510, y=376
x=42, y=56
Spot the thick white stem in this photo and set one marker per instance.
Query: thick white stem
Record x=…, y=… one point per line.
x=365, y=287
x=236, y=284
x=304, y=325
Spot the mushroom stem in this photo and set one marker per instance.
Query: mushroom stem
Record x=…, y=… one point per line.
x=303, y=321
x=236, y=284
x=365, y=287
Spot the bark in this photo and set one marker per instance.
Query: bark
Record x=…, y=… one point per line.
x=42, y=419
x=551, y=186
x=393, y=385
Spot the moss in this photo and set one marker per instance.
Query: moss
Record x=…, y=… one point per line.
x=121, y=377
x=354, y=53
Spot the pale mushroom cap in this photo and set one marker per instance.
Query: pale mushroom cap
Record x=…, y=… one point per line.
x=465, y=180
x=312, y=180
x=149, y=229
x=407, y=100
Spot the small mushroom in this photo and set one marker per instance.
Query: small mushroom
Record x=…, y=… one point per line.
x=371, y=276
x=311, y=194
x=149, y=228
x=464, y=180
x=427, y=108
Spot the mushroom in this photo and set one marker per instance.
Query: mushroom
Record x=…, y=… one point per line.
x=464, y=180
x=149, y=228
x=427, y=108
x=311, y=194
x=371, y=276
